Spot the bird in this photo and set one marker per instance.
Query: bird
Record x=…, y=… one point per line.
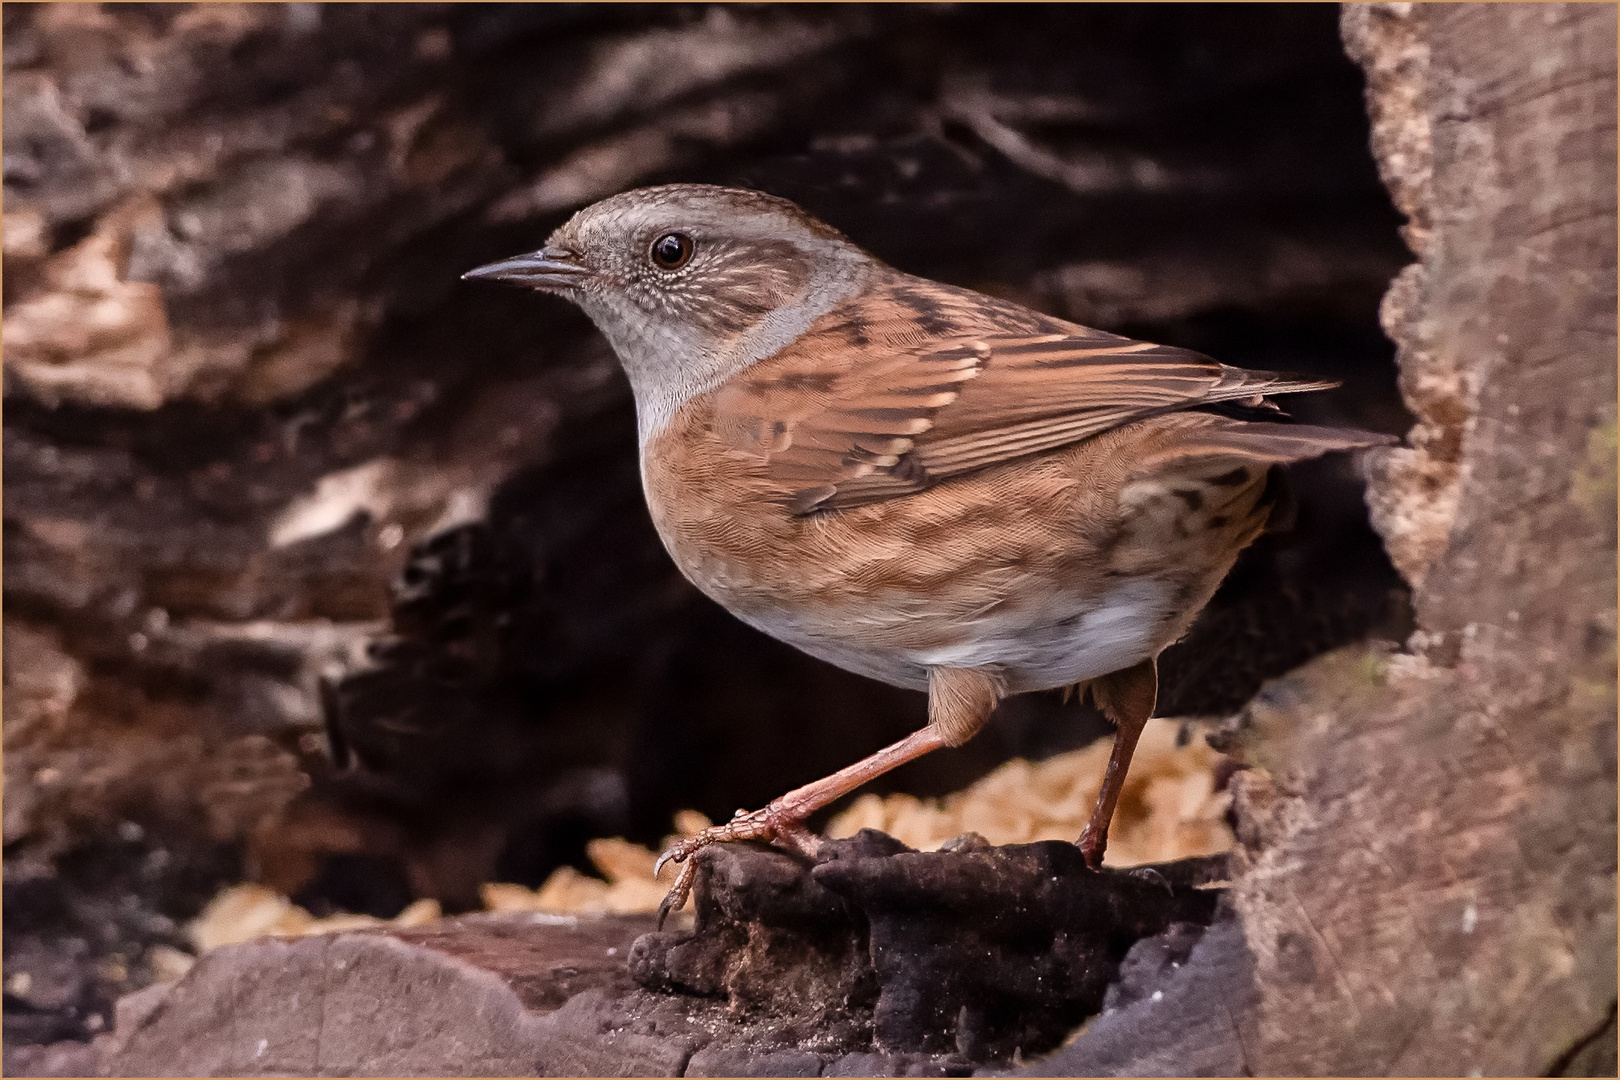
x=936, y=488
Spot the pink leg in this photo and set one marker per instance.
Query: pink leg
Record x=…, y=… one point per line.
x=1127, y=698
x=959, y=702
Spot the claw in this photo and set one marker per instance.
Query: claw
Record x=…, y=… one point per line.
x=767, y=824
x=681, y=853
x=675, y=899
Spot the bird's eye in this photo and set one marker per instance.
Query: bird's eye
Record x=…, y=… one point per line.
x=672, y=251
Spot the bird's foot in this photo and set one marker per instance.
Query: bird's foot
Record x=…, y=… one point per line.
x=1092, y=844
x=773, y=823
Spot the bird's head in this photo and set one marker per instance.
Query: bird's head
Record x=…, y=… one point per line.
x=691, y=283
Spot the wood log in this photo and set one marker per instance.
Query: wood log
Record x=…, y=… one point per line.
x=326, y=571
x=1430, y=832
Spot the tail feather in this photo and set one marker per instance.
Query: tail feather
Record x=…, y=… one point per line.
x=1266, y=442
x=1213, y=483
x=1236, y=384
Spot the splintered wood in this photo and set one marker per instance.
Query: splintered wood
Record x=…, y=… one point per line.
x=1170, y=809
x=629, y=888
x=248, y=911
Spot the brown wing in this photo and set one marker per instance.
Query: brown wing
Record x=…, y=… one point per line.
x=862, y=409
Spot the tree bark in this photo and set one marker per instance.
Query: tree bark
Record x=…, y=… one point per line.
x=1429, y=833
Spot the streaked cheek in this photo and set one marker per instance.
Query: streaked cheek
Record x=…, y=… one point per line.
x=739, y=294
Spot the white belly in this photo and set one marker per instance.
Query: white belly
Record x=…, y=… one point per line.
x=1065, y=641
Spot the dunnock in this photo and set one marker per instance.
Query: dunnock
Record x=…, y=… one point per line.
x=923, y=484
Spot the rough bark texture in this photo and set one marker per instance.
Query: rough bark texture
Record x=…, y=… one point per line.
x=874, y=962
x=1430, y=839
x=988, y=953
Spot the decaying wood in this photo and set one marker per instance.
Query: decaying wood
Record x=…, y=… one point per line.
x=274, y=480
x=1430, y=834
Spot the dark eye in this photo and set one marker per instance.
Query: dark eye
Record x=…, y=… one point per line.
x=672, y=251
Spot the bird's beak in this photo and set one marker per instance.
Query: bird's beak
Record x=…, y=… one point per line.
x=554, y=269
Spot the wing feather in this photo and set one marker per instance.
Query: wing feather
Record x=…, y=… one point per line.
x=860, y=410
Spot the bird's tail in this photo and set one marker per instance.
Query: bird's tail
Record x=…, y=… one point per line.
x=1263, y=443
x=1215, y=464
x=1240, y=384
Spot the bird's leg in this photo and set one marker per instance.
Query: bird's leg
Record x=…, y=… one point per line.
x=1127, y=698
x=960, y=700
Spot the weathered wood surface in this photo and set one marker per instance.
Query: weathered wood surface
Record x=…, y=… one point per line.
x=1430, y=885
x=874, y=961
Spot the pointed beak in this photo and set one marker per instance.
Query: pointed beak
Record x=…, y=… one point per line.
x=554, y=269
